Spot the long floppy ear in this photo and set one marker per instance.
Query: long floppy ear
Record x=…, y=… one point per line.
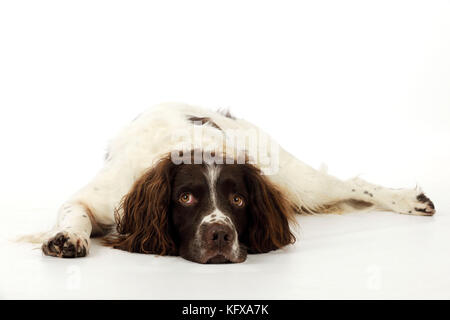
x=270, y=213
x=143, y=215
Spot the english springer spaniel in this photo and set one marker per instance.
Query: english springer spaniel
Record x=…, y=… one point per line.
x=181, y=180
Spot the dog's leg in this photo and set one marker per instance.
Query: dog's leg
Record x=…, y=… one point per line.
x=357, y=192
x=72, y=232
x=316, y=191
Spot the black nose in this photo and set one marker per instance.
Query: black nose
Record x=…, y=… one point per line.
x=219, y=235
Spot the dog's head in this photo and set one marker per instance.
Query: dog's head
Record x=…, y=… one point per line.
x=207, y=213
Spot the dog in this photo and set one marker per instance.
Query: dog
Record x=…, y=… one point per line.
x=185, y=181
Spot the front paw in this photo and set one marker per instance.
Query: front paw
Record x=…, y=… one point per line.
x=66, y=245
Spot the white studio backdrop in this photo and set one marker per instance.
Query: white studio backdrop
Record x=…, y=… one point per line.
x=363, y=86
x=360, y=85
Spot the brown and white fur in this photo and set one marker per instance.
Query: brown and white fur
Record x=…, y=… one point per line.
x=130, y=196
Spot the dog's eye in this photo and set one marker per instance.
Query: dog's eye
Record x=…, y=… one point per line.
x=187, y=198
x=237, y=200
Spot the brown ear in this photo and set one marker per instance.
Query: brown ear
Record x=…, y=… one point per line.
x=270, y=214
x=142, y=218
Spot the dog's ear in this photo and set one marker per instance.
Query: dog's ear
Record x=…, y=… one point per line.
x=270, y=213
x=143, y=215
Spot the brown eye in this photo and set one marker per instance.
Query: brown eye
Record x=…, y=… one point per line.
x=186, y=198
x=237, y=200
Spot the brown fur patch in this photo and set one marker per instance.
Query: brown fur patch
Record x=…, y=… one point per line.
x=143, y=225
x=271, y=215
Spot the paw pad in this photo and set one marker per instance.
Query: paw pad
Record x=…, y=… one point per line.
x=428, y=206
x=65, y=246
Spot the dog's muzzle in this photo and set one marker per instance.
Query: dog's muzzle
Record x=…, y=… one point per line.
x=219, y=243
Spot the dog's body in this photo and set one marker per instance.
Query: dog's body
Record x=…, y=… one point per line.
x=167, y=128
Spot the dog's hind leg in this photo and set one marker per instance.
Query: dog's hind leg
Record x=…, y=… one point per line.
x=316, y=191
x=357, y=194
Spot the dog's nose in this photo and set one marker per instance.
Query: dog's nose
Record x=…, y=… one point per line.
x=219, y=235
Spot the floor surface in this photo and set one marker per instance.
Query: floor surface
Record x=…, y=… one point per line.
x=375, y=255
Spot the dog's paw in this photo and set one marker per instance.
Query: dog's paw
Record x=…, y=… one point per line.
x=424, y=205
x=66, y=245
x=414, y=202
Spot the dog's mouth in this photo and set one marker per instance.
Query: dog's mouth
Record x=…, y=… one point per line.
x=210, y=255
x=218, y=259
x=223, y=256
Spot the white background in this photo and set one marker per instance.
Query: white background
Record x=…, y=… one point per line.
x=363, y=86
